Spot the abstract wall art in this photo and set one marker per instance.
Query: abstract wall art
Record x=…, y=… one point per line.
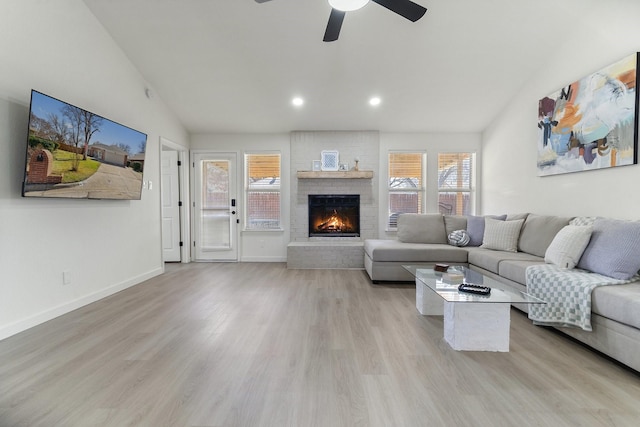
x=591, y=123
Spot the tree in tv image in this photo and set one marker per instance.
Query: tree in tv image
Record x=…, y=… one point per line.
x=74, y=153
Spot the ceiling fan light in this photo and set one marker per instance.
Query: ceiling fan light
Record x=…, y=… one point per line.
x=348, y=5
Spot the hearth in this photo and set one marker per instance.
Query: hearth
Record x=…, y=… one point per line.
x=334, y=215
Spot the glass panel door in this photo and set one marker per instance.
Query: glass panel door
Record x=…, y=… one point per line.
x=215, y=207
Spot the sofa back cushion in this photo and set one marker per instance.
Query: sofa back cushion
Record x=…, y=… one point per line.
x=421, y=228
x=513, y=217
x=454, y=222
x=538, y=232
x=614, y=249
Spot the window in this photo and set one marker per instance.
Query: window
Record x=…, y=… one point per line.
x=406, y=185
x=455, y=183
x=262, y=191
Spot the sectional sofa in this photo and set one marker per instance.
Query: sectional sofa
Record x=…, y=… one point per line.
x=508, y=247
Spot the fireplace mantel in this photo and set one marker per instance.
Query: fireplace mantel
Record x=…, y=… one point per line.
x=335, y=175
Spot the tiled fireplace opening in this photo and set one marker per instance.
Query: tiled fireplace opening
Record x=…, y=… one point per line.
x=334, y=215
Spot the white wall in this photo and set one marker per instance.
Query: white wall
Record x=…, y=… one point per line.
x=510, y=181
x=255, y=246
x=432, y=144
x=59, y=48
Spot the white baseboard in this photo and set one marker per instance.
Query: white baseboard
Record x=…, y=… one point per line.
x=49, y=314
x=263, y=259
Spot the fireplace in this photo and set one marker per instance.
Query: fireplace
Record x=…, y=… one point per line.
x=334, y=215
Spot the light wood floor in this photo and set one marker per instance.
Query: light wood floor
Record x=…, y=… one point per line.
x=259, y=345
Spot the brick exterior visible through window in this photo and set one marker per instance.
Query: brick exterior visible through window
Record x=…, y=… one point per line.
x=406, y=185
x=262, y=191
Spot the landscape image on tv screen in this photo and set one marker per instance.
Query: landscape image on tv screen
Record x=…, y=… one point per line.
x=73, y=153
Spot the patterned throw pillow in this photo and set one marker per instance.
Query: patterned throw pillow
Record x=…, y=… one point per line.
x=583, y=220
x=459, y=238
x=501, y=235
x=567, y=247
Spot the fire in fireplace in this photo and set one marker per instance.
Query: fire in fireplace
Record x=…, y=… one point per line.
x=334, y=215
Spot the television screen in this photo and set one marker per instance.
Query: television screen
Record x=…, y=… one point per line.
x=73, y=153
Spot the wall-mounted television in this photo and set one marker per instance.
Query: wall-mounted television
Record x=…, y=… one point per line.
x=74, y=153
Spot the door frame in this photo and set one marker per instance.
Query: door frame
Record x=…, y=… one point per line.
x=238, y=189
x=183, y=189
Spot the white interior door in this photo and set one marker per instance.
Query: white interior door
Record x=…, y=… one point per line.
x=170, y=207
x=215, y=207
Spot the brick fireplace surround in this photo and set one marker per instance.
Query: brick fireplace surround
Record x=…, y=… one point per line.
x=332, y=252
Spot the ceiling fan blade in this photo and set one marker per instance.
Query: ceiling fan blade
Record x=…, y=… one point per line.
x=262, y=1
x=333, y=26
x=406, y=8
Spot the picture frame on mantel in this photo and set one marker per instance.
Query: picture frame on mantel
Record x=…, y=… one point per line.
x=316, y=166
x=592, y=123
x=330, y=160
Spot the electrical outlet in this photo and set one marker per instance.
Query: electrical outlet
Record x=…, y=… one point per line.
x=66, y=277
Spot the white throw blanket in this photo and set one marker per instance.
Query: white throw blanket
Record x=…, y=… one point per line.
x=567, y=294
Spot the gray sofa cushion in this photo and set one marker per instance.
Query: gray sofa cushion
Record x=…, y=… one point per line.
x=538, y=232
x=421, y=228
x=516, y=269
x=513, y=217
x=455, y=222
x=614, y=249
x=396, y=251
x=490, y=260
x=618, y=302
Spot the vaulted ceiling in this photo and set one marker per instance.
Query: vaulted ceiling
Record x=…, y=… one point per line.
x=234, y=65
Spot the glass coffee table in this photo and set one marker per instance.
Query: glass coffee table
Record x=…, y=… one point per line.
x=471, y=322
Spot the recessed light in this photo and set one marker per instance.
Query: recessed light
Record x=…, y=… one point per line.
x=375, y=101
x=297, y=101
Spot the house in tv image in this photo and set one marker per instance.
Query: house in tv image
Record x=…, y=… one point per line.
x=109, y=154
x=116, y=156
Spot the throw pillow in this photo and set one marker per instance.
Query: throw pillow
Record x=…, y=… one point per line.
x=501, y=235
x=475, y=228
x=614, y=249
x=421, y=228
x=567, y=247
x=459, y=238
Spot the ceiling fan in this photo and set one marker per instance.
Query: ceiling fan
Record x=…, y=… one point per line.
x=339, y=8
